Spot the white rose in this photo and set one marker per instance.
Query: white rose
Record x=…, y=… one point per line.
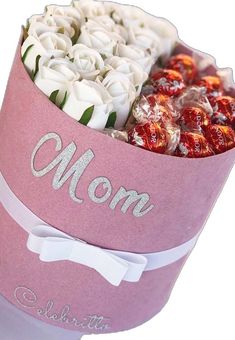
x=166, y=31
x=57, y=74
x=121, y=31
x=123, y=94
x=90, y=8
x=141, y=56
x=67, y=17
x=89, y=62
x=130, y=68
x=146, y=39
x=105, y=21
x=125, y=15
x=95, y=36
x=48, y=44
x=38, y=27
x=87, y=94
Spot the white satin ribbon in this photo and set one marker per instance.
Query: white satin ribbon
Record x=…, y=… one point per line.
x=53, y=245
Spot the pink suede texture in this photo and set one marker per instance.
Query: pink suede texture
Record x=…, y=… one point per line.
x=183, y=192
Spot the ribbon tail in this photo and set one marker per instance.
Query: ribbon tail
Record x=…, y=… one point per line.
x=109, y=266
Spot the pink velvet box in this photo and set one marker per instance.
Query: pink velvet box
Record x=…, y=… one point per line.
x=181, y=194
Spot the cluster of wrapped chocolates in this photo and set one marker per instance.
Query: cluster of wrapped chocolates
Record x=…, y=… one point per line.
x=182, y=114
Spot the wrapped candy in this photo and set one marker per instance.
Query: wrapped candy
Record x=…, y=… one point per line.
x=185, y=65
x=168, y=82
x=211, y=86
x=193, y=145
x=150, y=136
x=194, y=119
x=153, y=137
x=152, y=107
x=221, y=138
x=173, y=131
x=224, y=111
x=193, y=96
x=116, y=134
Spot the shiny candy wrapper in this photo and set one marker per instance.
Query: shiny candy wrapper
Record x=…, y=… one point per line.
x=193, y=96
x=150, y=136
x=174, y=132
x=193, y=145
x=153, y=107
x=194, y=119
x=116, y=134
x=185, y=65
x=221, y=138
x=153, y=137
x=211, y=86
x=224, y=111
x=167, y=82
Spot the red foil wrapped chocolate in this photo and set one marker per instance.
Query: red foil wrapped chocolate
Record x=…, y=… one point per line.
x=194, y=119
x=224, y=111
x=185, y=65
x=212, y=87
x=221, y=138
x=193, y=145
x=150, y=136
x=168, y=82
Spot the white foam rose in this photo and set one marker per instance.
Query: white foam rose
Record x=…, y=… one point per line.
x=146, y=39
x=89, y=62
x=97, y=37
x=109, y=24
x=125, y=15
x=166, y=31
x=64, y=19
x=105, y=21
x=123, y=94
x=67, y=17
x=47, y=44
x=121, y=31
x=90, y=8
x=87, y=94
x=57, y=74
x=130, y=68
x=138, y=54
x=38, y=27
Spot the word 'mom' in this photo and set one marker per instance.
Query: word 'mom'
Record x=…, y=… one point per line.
x=129, y=198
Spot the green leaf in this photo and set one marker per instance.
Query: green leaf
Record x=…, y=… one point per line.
x=26, y=53
x=36, y=66
x=53, y=96
x=111, y=120
x=25, y=31
x=76, y=34
x=103, y=56
x=160, y=62
x=87, y=115
x=64, y=100
x=61, y=30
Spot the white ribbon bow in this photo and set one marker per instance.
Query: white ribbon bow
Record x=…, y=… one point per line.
x=54, y=245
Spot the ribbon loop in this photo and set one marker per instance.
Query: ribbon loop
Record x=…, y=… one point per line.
x=53, y=245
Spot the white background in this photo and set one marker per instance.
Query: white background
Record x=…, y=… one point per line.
x=202, y=303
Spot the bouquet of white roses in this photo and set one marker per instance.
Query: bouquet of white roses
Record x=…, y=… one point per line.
x=92, y=58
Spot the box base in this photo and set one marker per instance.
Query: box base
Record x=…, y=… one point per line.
x=16, y=325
